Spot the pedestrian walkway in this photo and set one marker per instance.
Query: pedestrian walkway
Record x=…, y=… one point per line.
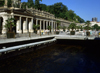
x=61, y=35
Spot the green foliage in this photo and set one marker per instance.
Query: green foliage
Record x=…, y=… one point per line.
x=35, y=26
x=58, y=27
x=58, y=22
x=81, y=28
x=24, y=4
x=49, y=27
x=72, y=26
x=43, y=7
x=30, y=3
x=58, y=9
x=9, y=3
x=37, y=4
x=64, y=27
x=9, y=24
x=96, y=27
x=1, y=3
x=87, y=28
x=87, y=23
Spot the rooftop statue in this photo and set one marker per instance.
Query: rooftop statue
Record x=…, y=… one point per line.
x=13, y=3
x=16, y=3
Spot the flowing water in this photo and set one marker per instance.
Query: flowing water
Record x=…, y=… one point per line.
x=57, y=58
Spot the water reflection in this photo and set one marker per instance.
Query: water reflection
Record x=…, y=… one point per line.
x=54, y=59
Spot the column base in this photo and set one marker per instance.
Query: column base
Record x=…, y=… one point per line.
x=19, y=31
x=43, y=31
x=30, y=30
x=25, y=31
x=5, y=6
x=3, y=36
x=38, y=31
x=4, y=31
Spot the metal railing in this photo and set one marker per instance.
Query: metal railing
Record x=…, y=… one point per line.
x=4, y=49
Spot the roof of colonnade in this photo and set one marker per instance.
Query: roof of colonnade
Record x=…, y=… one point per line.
x=31, y=12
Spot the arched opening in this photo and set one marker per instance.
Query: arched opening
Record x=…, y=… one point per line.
x=1, y=21
x=42, y=25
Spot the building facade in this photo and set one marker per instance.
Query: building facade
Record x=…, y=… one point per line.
x=94, y=19
x=26, y=18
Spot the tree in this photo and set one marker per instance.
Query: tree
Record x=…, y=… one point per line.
x=37, y=4
x=72, y=26
x=24, y=4
x=35, y=27
x=64, y=27
x=43, y=7
x=58, y=23
x=9, y=3
x=96, y=27
x=49, y=28
x=87, y=23
x=71, y=15
x=30, y=3
x=9, y=24
x=1, y=3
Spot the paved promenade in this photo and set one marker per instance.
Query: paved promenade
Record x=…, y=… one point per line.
x=77, y=37
x=61, y=35
x=23, y=38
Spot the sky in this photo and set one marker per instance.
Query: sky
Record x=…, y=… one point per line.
x=86, y=9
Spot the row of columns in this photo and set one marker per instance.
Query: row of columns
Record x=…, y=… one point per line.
x=52, y=23
x=43, y=24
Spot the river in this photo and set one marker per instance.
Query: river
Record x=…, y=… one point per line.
x=58, y=58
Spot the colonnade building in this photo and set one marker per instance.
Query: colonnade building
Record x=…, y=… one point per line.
x=26, y=18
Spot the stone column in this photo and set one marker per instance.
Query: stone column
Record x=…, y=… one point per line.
x=5, y=5
x=52, y=27
x=20, y=25
x=31, y=25
x=49, y=23
x=25, y=26
x=40, y=27
x=56, y=26
x=3, y=24
x=46, y=25
x=26, y=22
x=40, y=24
x=36, y=21
x=43, y=26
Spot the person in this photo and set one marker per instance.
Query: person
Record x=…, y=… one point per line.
x=90, y=32
x=95, y=33
x=42, y=32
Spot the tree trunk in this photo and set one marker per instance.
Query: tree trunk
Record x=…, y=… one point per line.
x=11, y=28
